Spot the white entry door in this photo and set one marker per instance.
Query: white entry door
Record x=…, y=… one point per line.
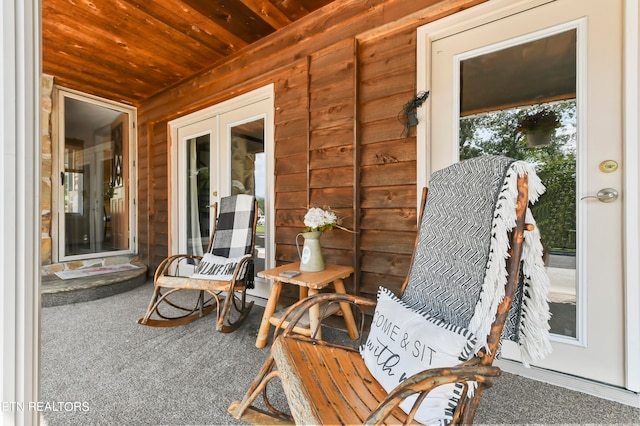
x=562, y=57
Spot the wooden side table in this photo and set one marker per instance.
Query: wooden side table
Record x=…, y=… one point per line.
x=310, y=283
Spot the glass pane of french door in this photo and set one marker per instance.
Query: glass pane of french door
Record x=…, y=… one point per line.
x=541, y=130
x=555, y=211
x=197, y=191
x=248, y=175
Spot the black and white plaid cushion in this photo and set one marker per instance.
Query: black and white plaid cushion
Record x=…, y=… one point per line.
x=233, y=237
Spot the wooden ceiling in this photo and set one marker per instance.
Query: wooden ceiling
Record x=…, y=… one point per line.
x=129, y=50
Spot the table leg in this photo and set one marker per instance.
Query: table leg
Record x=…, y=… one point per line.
x=265, y=325
x=314, y=317
x=304, y=292
x=349, y=321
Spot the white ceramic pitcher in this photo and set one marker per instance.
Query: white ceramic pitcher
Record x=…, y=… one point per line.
x=311, y=255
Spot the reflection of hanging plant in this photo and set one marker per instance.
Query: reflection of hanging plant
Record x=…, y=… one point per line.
x=539, y=127
x=541, y=120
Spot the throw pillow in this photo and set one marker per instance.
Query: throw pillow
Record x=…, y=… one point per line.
x=214, y=267
x=403, y=342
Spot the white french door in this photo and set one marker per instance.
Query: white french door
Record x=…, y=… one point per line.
x=223, y=150
x=243, y=138
x=582, y=42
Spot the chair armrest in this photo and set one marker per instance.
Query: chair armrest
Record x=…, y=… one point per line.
x=425, y=381
x=295, y=312
x=241, y=264
x=166, y=264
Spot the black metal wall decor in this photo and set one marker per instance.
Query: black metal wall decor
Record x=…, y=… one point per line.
x=410, y=118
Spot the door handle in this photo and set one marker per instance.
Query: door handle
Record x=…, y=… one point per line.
x=605, y=195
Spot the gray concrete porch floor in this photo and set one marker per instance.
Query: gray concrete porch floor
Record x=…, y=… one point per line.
x=96, y=354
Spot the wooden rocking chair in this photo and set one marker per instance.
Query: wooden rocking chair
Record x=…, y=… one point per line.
x=227, y=267
x=329, y=383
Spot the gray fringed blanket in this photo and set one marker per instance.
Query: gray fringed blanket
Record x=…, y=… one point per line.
x=458, y=272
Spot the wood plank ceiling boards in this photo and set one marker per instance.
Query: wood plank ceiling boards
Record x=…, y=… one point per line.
x=129, y=50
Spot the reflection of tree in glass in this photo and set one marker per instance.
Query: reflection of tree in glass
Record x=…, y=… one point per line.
x=496, y=133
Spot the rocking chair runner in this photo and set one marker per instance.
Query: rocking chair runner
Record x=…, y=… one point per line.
x=328, y=383
x=227, y=267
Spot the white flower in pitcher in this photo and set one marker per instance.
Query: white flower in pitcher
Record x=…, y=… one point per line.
x=318, y=219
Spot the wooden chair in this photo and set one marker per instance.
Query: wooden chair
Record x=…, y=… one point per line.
x=329, y=383
x=226, y=268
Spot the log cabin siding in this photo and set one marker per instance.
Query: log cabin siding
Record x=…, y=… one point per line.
x=159, y=193
x=143, y=169
x=388, y=159
x=341, y=77
x=291, y=156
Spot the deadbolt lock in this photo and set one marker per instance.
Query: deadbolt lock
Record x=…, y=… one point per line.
x=608, y=166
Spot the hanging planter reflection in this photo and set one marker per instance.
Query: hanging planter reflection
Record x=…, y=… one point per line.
x=538, y=128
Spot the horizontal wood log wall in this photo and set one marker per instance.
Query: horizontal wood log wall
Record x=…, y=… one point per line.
x=341, y=79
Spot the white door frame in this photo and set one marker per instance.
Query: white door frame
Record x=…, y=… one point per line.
x=265, y=92
x=497, y=9
x=20, y=212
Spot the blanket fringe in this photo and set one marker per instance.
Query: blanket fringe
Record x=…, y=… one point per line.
x=534, y=331
x=492, y=292
x=534, y=322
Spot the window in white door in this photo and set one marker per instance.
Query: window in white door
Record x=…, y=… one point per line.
x=248, y=174
x=197, y=192
x=521, y=102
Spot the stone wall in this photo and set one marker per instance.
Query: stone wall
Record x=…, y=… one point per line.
x=46, y=196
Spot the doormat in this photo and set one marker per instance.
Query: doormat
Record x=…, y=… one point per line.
x=88, y=272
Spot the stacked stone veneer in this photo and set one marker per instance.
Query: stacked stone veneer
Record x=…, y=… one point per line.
x=46, y=196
